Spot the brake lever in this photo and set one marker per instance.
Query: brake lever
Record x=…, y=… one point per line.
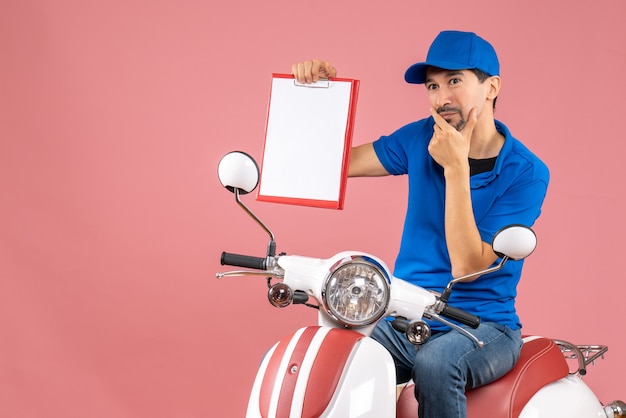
x=432, y=315
x=238, y=273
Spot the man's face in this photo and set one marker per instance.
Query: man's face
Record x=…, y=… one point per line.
x=454, y=93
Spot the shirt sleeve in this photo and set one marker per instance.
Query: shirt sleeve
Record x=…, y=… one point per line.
x=393, y=150
x=520, y=204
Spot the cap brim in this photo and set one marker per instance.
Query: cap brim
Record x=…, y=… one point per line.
x=416, y=73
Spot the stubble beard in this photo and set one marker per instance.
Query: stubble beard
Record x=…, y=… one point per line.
x=461, y=122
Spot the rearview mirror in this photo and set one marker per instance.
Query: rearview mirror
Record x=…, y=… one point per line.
x=239, y=173
x=515, y=242
x=238, y=170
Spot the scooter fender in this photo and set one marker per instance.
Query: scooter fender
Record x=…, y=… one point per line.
x=323, y=372
x=568, y=397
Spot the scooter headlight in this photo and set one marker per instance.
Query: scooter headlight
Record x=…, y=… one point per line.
x=356, y=291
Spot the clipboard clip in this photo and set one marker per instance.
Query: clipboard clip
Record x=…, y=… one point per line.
x=322, y=83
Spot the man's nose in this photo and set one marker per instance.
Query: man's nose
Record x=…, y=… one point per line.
x=443, y=97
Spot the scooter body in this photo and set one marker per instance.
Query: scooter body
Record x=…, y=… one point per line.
x=566, y=397
x=335, y=370
x=539, y=386
x=324, y=372
x=330, y=370
x=338, y=373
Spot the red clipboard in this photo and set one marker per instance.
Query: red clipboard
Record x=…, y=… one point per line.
x=308, y=137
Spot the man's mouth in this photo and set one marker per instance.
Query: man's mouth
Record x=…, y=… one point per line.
x=448, y=113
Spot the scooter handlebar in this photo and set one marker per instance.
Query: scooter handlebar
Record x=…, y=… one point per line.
x=246, y=261
x=459, y=315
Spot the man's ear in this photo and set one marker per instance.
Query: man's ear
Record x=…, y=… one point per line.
x=494, y=86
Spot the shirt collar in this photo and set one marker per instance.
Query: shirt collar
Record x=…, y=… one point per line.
x=482, y=179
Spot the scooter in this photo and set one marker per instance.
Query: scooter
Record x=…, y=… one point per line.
x=334, y=369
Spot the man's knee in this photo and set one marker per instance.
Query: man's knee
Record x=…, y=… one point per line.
x=434, y=367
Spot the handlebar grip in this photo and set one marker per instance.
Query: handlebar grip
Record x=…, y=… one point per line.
x=240, y=260
x=459, y=315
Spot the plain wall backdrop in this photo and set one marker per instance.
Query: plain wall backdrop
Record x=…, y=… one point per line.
x=114, y=115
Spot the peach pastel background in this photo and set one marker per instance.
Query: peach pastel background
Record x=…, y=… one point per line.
x=114, y=114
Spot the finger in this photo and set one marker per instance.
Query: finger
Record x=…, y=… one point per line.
x=472, y=119
x=330, y=69
x=473, y=116
x=439, y=120
x=297, y=72
x=308, y=71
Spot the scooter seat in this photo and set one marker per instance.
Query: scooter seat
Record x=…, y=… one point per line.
x=540, y=363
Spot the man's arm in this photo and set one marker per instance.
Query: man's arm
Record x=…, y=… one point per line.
x=450, y=148
x=468, y=252
x=365, y=163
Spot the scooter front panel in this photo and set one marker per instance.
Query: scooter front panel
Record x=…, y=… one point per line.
x=289, y=362
x=367, y=388
x=327, y=369
x=322, y=372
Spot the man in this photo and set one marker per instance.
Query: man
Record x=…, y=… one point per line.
x=468, y=178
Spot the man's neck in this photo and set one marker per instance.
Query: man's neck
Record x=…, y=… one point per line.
x=486, y=141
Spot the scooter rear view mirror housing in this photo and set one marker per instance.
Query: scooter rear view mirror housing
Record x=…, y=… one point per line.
x=239, y=173
x=515, y=242
x=238, y=170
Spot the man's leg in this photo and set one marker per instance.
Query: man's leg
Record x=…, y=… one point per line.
x=450, y=362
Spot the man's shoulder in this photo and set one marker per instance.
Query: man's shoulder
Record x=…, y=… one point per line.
x=521, y=154
x=416, y=129
x=426, y=123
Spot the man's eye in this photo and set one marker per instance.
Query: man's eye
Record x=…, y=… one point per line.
x=454, y=81
x=431, y=87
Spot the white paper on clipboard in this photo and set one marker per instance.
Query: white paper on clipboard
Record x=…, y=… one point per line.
x=307, y=142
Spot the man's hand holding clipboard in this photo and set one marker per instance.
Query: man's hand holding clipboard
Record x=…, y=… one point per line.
x=311, y=71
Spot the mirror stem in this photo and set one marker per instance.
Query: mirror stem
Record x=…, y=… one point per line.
x=445, y=295
x=271, y=247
